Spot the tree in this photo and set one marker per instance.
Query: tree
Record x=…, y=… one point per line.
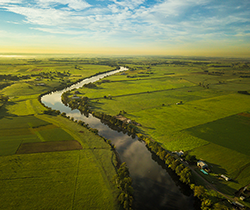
x=199, y=191
x=174, y=164
x=169, y=160
x=162, y=154
x=124, y=182
x=179, y=168
x=190, y=158
x=185, y=175
x=219, y=206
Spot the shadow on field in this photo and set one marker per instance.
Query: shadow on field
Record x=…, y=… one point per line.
x=217, y=169
x=4, y=112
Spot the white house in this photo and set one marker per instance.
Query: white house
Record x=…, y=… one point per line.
x=202, y=164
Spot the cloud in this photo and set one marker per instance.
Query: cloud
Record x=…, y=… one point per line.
x=134, y=21
x=71, y=4
x=131, y=4
x=41, y=16
x=3, y=2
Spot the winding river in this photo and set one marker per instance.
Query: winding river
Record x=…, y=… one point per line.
x=155, y=186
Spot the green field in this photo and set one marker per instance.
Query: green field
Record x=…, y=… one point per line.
x=57, y=180
x=206, y=124
x=230, y=132
x=77, y=179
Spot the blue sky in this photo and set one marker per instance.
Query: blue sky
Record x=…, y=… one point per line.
x=177, y=27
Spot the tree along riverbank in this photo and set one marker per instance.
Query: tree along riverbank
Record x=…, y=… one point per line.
x=183, y=170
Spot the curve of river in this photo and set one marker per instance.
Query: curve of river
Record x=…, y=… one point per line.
x=155, y=186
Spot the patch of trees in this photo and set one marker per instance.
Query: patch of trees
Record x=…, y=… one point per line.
x=90, y=85
x=245, y=76
x=244, y=92
x=113, y=121
x=184, y=173
x=216, y=73
x=5, y=84
x=10, y=77
x=123, y=182
x=202, y=84
x=50, y=111
x=81, y=103
x=4, y=98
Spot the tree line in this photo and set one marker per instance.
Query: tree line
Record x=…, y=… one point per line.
x=184, y=173
x=123, y=182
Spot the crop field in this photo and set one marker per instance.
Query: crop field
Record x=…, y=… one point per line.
x=206, y=122
x=50, y=146
x=48, y=178
x=24, y=129
x=226, y=132
x=57, y=180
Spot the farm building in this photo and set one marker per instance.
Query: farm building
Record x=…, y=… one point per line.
x=75, y=97
x=202, y=164
x=180, y=153
x=226, y=178
x=40, y=84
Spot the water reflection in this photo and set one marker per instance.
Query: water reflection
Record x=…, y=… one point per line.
x=154, y=185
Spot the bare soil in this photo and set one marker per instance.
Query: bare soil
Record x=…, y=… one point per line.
x=52, y=146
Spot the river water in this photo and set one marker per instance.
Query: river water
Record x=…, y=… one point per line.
x=155, y=186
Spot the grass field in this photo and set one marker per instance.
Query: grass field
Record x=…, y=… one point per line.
x=230, y=132
x=206, y=123
x=77, y=179
x=58, y=180
x=24, y=129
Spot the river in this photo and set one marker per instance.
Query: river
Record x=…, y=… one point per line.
x=155, y=186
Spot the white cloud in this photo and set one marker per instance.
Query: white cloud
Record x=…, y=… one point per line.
x=165, y=21
x=3, y=2
x=41, y=16
x=72, y=4
x=131, y=4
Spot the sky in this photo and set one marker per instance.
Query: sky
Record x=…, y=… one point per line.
x=126, y=27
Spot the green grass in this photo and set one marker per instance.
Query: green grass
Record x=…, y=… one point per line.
x=53, y=180
x=55, y=134
x=25, y=129
x=15, y=122
x=226, y=161
x=58, y=180
x=206, y=124
x=231, y=132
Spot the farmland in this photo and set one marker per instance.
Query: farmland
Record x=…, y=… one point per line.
x=201, y=107
x=187, y=105
x=59, y=164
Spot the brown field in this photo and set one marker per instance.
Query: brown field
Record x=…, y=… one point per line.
x=244, y=114
x=52, y=146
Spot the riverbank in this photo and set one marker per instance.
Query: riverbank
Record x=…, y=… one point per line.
x=153, y=101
